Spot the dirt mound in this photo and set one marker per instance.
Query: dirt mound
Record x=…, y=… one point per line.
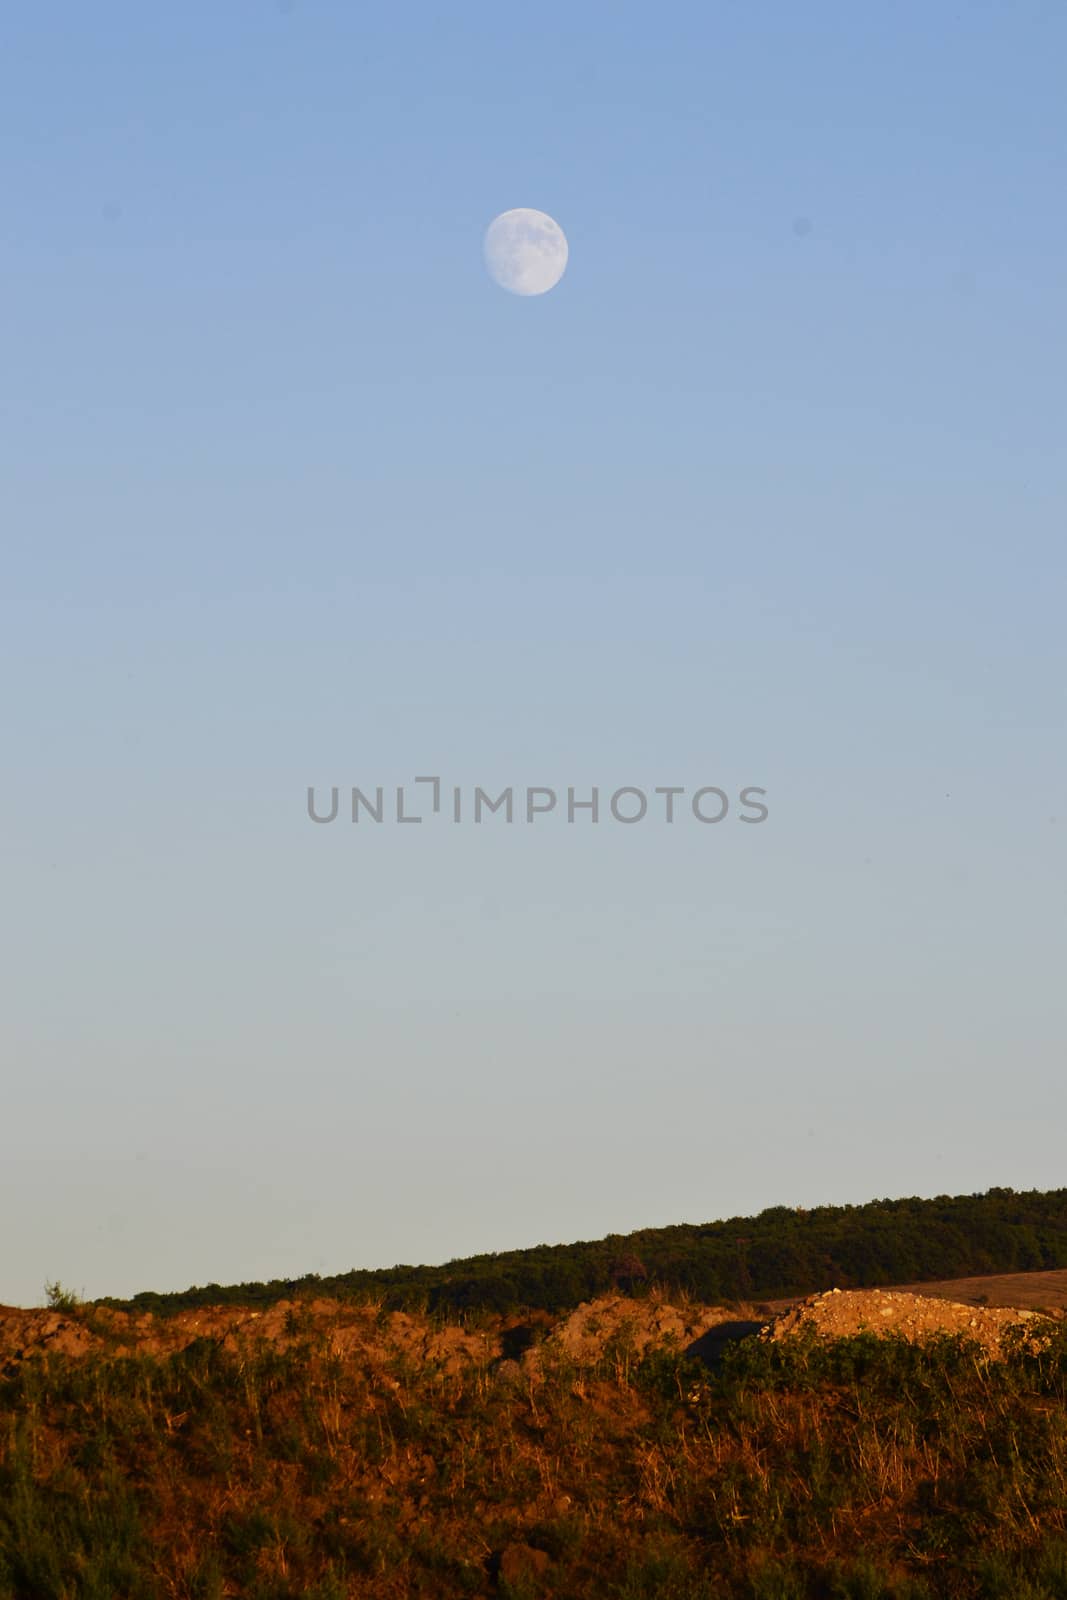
x=24, y=1333
x=634, y=1326
x=609, y=1325
x=841, y=1313
x=341, y=1328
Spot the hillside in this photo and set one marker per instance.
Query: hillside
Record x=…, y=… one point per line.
x=781, y=1252
x=868, y=1403
x=866, y=1445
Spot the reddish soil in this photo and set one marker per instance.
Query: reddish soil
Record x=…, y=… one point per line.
x=349, y=1330
x=980, y=1307
x=841, y=1312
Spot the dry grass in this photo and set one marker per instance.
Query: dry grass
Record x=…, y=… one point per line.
x=327, y=1467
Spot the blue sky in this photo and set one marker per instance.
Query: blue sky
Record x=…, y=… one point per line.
x=769, y=490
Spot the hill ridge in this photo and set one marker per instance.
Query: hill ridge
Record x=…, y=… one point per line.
x=779, y=1252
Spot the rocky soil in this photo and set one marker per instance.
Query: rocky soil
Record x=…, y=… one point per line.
x=348, y=1330
x=841, y=1312
x=511, y=1346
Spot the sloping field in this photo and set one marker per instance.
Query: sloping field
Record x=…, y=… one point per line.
x=1033, y=1291
x=1036, y=1291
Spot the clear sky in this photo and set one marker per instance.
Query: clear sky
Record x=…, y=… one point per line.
x=769, y=491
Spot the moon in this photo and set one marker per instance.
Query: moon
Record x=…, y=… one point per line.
x=525, y=251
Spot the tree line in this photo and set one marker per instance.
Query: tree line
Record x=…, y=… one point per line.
x=782, y=1251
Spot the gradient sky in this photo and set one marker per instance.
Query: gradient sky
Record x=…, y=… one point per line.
x=770, y=490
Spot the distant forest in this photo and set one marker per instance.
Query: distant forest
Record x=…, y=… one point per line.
x=780, y=1252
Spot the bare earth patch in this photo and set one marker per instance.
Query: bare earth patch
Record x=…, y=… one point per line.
x=611, y=1322
x=841, y=1313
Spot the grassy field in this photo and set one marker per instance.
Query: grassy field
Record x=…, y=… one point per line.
x=862, y=1468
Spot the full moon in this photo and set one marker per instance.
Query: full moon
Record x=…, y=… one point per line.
x=525, y=251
